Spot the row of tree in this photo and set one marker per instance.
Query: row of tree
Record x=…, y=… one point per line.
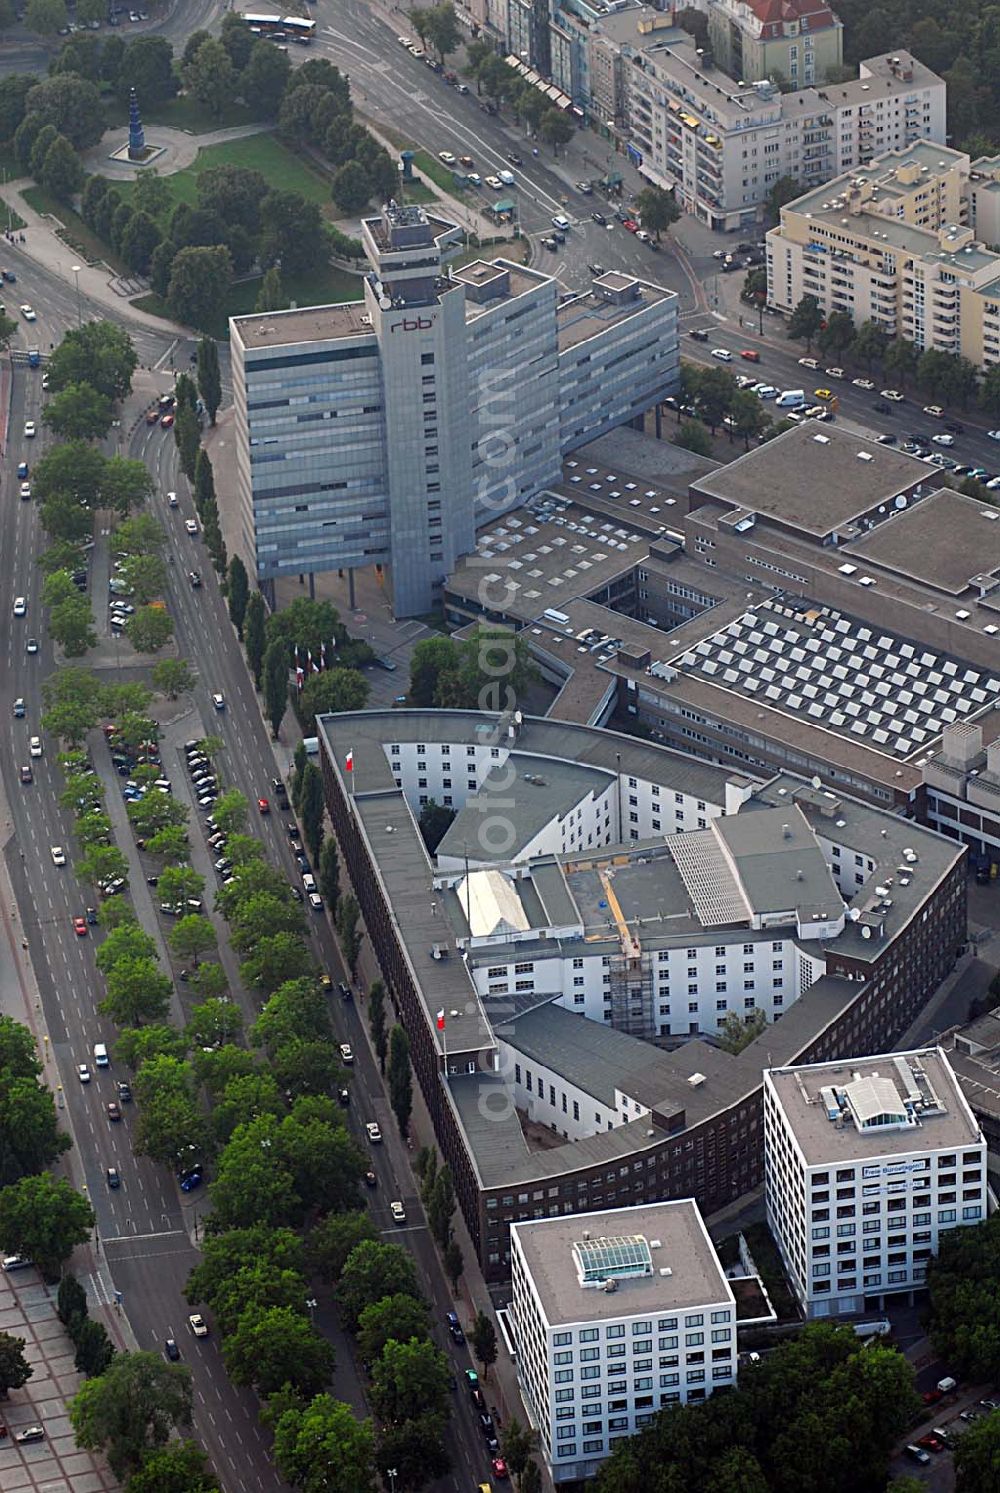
x=482, y=672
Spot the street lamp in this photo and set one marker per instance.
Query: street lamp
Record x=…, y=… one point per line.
x=391, y=1472
x=312, y=1304
x=79, y=308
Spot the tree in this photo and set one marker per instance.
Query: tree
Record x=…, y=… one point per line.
x=266, y=79
x=150, y=194
x=8, y=329
x=199, y=282
x=127, y=483
x=71, y=1299
x=44, y=1218
x=371, y=1272
x=178, y=1467
x=440, y=1204
x=376, y=1022
x=869, y=344
x=275, y=1347
x=331, y=692
x=805, y=320
x=94, y=1349
x=331, y=1241
x=838, y=334
x=517, y=1445
x=453, y=1262
x=187, y=435
x=271, y=296
x=483, y=1338
x=531, y=1480
x=329, y=874
x=139, y=241
x=348, y=932
x=61, y=170
x=99, y=353
x=191, y=937
x=46, y=17
x=323, y=1448
x=239, y=592
x=148, y=66
x=693, y=437
x=899, y=360
x=275, y=670
x=292, y=233
x=352, y=188
x=147, y=577
x=253, y=635
x=15, y=1370
x=658, y=209
x=177, y=883
x=441, y=29
x=276, y=960
x=977, y=1456
x=230, y=812
x=136, y=992
x=79, y=412
x=963, y=1320
x=71, y=625
x=311, y=809
x=785, y=190
x=748, y=415
x=130, y=1408
x=209, y=377
x=209, y=76
x=173, y=677
x=149, y=629
x=735, y=1033
x=400, y=1078
x=14, y=90
x=409, y=1380
x=127, y=941
x=556, y=128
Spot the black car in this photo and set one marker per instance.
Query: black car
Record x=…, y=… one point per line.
x=297, y=893
x=171, y=1349
x=955, y=427
x=92, y=916
x=599, y=218
x=114, y=1180
x=195, y=580
x=596, y=269
x=515, y=160
x=550, y=244
x=887, y=440
x=124, y=1092
x=698, y=334
x=882, y=408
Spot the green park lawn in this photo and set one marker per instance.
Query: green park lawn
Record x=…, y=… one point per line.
x=182, y=113
x=264, y=153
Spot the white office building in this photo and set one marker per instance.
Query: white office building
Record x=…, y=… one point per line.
x=381, y=431
x=866, y=1163
x=616, y=1314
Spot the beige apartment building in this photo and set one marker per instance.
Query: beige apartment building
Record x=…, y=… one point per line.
x=892, y=242
x=796, y=41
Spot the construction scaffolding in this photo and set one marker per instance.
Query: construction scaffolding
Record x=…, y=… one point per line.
x=630, y=974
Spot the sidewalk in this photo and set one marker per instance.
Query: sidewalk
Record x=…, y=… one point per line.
x=43, y=245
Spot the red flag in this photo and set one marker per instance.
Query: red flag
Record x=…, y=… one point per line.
x=440, y=1020
x=349, y=761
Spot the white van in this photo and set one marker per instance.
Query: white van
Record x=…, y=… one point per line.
x=791, y=399
x=100, y=1055
x=507, y=177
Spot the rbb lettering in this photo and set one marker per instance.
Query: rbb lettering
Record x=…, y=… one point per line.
x=421, y=324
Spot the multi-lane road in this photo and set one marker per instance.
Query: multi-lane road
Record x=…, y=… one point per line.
x=145, y=1229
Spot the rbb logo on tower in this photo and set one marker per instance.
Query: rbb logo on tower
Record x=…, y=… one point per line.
x=413, y=324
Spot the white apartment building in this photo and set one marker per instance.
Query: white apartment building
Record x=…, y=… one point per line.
x=380, y=431
x=616, y=1314
x=866, y=1163
x=722, y=144
x=892, y=243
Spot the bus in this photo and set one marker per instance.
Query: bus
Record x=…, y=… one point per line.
x=280, y=28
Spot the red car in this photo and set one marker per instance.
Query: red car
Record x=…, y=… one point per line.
x=167, y=421
x=931, y=1396
x=630, y=225
x=751, y=354
x=499, y=1467
x=80, y=927
x=263, y=806
x=931, y=1443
